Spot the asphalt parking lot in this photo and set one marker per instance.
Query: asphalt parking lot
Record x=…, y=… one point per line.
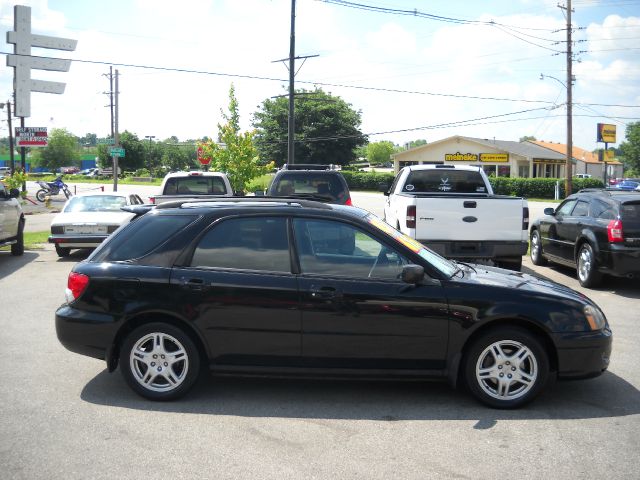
x=65, y=416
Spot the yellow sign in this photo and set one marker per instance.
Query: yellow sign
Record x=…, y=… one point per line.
x=460, y=157
x=494, y=157
x=606, y=133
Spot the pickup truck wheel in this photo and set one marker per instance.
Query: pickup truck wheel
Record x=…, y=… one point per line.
x=514, y=264
x=62, y=251
x=536, y=249
x=587, y=267
x=18, y=247
x=506, y=367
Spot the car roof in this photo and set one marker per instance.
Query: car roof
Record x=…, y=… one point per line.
x=194, y=173
x=433, y=166
x=609, y=193
x=103, y=194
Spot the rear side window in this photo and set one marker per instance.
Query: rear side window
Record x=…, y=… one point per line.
x=581, y=209
x=246, y=244
x=442, y=180
x=195, y=185
x=141, y=237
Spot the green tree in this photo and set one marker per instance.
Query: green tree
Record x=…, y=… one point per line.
x=61, y=151
x=417, y=143
x=327, y=129
x=527, y=138
x=134, y=156
x=235, y=153
x=380, y=152
x=631, y=147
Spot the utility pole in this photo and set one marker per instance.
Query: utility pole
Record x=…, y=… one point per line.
x=568, y=182
x=292, y=61
x=116, y=137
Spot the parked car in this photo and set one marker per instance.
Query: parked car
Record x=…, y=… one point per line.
x=582, y=175
x=283, y=287
x=452, y=209
x=193, y=185
x=596, y=231
x=628, y=185
x=69, y=170
x=320, y=182
x=11, y=220
x=89, y=171
x=87, y=220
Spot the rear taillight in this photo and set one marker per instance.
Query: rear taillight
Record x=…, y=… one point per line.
x=614, y=231
x=76, y=285
x=525, y=218
x=348, y=202
x=411, y=216
x=152, y=200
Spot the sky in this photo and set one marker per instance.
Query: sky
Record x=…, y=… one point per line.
x=467, y=68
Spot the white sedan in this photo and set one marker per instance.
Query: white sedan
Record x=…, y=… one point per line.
x=88, y=219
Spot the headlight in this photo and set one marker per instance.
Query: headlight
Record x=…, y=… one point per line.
x=595, y=318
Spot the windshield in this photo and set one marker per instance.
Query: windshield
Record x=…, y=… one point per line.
x=97, y=203
x=446, y=267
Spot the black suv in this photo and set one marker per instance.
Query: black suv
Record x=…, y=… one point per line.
x=297, y=287
x=597, y=231
x=319, y=182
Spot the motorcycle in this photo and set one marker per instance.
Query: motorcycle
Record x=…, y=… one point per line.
x=52, y=188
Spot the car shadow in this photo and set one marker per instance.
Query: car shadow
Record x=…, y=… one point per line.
x=10, y=264
x=629, y=288
x=603, y=397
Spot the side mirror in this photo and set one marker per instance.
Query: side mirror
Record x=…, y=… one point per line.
x=412, y=274
x=549, y=211
x=14, y=193
x=384, y=187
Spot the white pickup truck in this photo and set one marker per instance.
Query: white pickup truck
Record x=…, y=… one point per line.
x=194, y=185
x=452, y=210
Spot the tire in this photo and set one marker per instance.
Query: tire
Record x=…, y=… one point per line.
x=514, y=264
x=502, y=352
x=41, y=194
x=63, y=251
x=587, y=266
x=18, y=247
x=159, y=361
x=535, y=247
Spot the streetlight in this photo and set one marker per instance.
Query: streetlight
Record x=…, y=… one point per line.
x=11, y=159
x=150, y=137
x=570, y=78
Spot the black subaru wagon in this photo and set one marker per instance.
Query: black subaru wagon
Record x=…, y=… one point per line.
x=282, y=287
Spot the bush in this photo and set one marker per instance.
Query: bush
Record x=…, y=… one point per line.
x=367, y=180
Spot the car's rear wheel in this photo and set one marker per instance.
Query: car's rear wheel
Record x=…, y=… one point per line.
x=587, y=266
x=63, y=251
x=159, y=361
x=18, y=247
x=536, y=249
x=506, y=367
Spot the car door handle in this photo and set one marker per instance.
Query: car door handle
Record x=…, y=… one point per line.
x=469, y=204
x=324, y=293
x=192, y=283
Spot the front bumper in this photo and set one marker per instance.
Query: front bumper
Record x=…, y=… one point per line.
x=583, y=354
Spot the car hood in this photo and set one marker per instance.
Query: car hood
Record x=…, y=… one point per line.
x=501, y=278
x=98, y=218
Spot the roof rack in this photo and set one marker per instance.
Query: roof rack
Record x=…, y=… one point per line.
x=256, y=201
x=308, y=166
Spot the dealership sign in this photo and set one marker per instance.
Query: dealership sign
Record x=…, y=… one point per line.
x=474, y=157
x=606, y=133
x=31, y=137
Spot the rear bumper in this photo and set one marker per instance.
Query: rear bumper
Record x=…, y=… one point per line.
x=621, y=261
x=87, y=336
x=583, y=354
x=77, y=241
x=481, y=249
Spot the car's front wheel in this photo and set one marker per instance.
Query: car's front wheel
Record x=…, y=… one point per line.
x=587, y=266
x=159, y=361
x=535, y=247
x=506, y=367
